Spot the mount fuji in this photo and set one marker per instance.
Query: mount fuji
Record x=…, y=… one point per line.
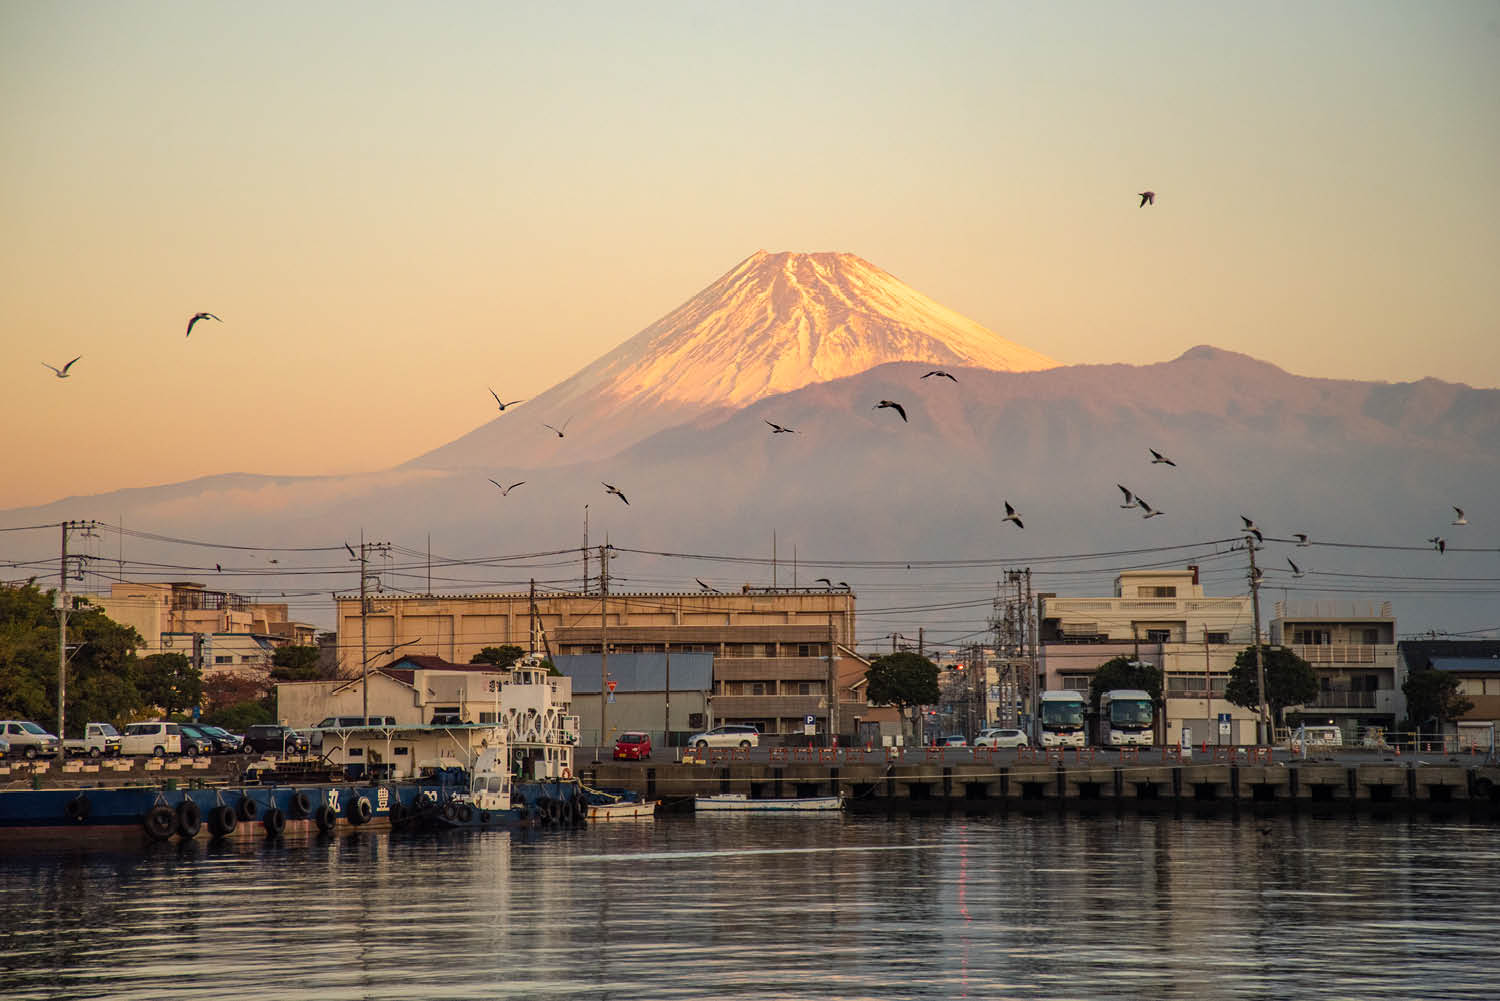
x=772, y=324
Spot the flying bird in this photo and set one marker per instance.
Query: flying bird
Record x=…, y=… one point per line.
x=1257, y=533
x=778, y=429
x=824, y=580
x=61, y=373
x=502, y=404
x=615, y=491
x=1010, y=515
x=275, y=561
x=1157, y=457
x=894, y=406
x=1301, y=538
x=1151, y=512
x=844, y=584
x=506, y=490
x=940, y=374
x=1459, y=518
x=1249, y=525
x=1129, y=497
x=1296, y=570
x=1439, y=543
x=352, y=554
x=1147, y=198
x=558, y=431
x=218, y=568
x=196, y=318
x=706, y=587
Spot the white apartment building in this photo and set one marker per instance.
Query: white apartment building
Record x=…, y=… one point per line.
x=1164, y=618
x=1351, y=646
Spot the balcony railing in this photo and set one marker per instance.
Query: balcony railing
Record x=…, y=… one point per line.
x=1344, y=700
x=1346, y=653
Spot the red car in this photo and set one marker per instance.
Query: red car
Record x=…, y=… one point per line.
x=633, y=745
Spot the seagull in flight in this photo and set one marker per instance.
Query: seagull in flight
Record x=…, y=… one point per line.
x=1249, y=525
x=557, y=431
x=1010, y=515
x=844, y=584
x=1301, y=538
x=778, y=429
x=894, y=406
x=352, y=554
x=1147, y=198
x=61, y=373
x=506, y=490
x=706, y=587
x=940, y=374
x=196, y=318
x=1157, y=457
x=1296, y=570
x=1459, y=518
x=1439, y=543
x=219, y=567
x=275, y=561
x=825, y=581
x=615, y=491
x=501, y=402
x=1151, y=512
x=1129, y=497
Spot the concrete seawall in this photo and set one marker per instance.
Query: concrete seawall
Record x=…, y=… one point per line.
x=979, y=786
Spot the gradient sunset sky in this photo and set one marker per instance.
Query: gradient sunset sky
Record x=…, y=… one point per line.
x=394, y=206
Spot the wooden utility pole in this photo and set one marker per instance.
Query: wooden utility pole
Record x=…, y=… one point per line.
x=1263, y=724
x=603, y=646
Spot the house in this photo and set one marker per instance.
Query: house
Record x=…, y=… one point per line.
x=1351, y=647
x=1476, y=666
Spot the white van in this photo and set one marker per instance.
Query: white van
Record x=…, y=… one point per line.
x=158, y=739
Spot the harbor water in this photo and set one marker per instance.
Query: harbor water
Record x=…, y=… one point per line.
x=1009, y=906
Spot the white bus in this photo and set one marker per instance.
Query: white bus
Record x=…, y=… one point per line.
x=1061, y=719
x=1126, y=716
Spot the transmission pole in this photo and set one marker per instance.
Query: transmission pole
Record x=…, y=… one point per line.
x=603, y=646
x=364, y=631
x=1263, y=724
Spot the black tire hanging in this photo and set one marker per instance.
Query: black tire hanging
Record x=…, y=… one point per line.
x=249, y=809
x=302, y=806
x=189, y=820
x=274, y=822
x=159, y=822
x=78, y=808
x=360, y=811
x=221, y=820
x=465, y=814
x=325, y=818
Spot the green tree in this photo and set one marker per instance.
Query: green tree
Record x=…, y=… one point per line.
x=103, y=673
x=295, y=663
x=1290, y=681
x=171, y=682
x=904, y=680
x=1432, y=697
x=1122, y=672
x=500, y=656
x=238, y=716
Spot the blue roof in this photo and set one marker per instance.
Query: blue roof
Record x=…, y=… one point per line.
x=639, y=672
x=1466, y=665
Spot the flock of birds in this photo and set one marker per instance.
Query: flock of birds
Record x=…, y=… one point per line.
x=62, y=373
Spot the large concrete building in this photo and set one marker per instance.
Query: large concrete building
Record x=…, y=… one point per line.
x=1351, y=646
x=777, y=652
x=1162, y=617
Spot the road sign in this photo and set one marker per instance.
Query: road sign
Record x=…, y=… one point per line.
x=810, y=720
x=612, y=685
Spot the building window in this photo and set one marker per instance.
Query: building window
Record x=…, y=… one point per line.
x=1158, y=591
x=1075, y=682
x=1471, y=686
x=758, y=688
x=1218, y=638
x=1312, y=637
x=488, y=718
x=1192, y=686
x=223, y=658
x=1158, y=635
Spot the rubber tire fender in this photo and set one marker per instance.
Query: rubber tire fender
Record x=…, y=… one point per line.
x=248, y=809
x=484, y=816
x=78, y=808
x=450, y=812
x=274, y=822
x=359, y=810
x=465, y=814
x=159, y=822
x=398, y=813
x=325, y=818
x=221, y=820
x=189, y=819
x=302, y=806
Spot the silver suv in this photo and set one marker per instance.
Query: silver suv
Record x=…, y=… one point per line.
x=998, y=737
x=731, y=735
x=27, y=739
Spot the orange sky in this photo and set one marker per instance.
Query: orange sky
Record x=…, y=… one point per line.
x=393, y=211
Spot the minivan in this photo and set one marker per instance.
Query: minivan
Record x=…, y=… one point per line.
x=158, y=739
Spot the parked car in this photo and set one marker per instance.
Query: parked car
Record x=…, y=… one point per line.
x=633, y=745
x=1002, y=737
x=28, y=740
x=98, y=740
x=953, y=740
x=229, y=743
x=197, y=740
x=158, y=738
x=272, y=738
x=729, y=735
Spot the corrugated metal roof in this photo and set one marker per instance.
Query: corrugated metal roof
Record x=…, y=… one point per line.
x=1467, y=665
x=638, y=672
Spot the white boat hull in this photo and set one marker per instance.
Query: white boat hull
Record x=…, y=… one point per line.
x=740, y=803
x=644, y=810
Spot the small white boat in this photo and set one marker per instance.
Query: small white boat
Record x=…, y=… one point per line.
x=738, y=802
x=623, y=810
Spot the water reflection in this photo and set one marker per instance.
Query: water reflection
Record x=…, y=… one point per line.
x=1019, y=906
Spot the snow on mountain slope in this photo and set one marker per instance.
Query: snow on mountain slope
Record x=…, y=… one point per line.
x=772, y=324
